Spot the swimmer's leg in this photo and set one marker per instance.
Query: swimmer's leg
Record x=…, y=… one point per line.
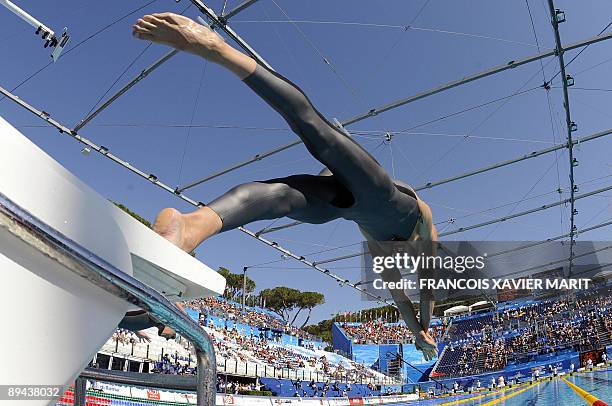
x=355, y=168
x=301, y=197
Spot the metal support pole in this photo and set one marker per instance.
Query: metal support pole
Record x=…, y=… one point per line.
x=244, y=276
x=533, y=154
x=221, y=23
x=273, y=229
x=80, y=391
x=239, y=8
x=146, y=72
x=256, y=158
x=510, y=65
x=559, y=237
x=569, y=124
x=499, y=220
x=524, y=213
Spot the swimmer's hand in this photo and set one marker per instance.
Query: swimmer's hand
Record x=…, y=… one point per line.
x=166, y=332
x=143, y=336
x=179, y=32
x=425, y=343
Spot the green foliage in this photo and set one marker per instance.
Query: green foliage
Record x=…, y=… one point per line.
x=131, y=213
x=255, y=392
x=321, y=329
x=289, y=303
x=140, y=219
x=234, y=284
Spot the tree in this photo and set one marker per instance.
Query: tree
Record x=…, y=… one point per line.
x=234, y=284
x=309, y=300
x=321, y=329
x=288, y=303
x=281, y=300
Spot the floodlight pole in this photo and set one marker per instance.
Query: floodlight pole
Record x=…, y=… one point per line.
x=244, y=279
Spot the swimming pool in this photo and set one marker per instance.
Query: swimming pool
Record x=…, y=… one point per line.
x=555, y=392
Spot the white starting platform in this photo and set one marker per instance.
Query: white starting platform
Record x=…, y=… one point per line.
x=54, y=317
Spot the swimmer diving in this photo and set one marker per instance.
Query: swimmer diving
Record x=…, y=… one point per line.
x=352, y=186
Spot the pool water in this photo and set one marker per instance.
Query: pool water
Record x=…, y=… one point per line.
x=553, y=393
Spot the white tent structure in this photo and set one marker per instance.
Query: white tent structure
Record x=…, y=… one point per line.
x=456, y=310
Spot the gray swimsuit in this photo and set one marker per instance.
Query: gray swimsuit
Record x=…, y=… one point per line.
x=354, y=186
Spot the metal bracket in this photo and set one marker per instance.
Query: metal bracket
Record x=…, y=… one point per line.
x=46, y=33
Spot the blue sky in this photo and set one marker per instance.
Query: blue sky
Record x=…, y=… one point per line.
x=373, y=61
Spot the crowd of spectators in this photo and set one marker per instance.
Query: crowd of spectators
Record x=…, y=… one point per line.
x=250, y=316
x=231, y=345
x=580, y=323
x=379, y=332
x=225, y=385
x=125, y=337
x=167, y=366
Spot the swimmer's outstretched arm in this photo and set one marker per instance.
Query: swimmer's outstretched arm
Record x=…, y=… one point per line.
x=423, y=340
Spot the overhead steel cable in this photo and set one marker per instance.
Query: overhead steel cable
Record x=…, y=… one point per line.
x=143, y=74
x=551, y=239
x=239, y=8
x=325, y=59
x=524, y=213
x=480, y=212
x=531, y=155
x=193, y=114
x=548, y=240
x=127, y=68
x=470, y=78
x=526, y=194
x=408, y=27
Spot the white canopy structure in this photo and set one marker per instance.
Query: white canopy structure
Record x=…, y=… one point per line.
x=456, y=310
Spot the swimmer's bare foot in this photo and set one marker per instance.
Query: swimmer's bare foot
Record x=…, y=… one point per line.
x=179, y=32
x=186, y=35
x=172, y=225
